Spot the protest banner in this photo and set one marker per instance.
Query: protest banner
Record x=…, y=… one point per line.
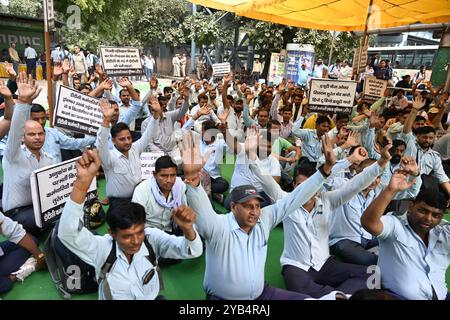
x=331, y=95
x=297, y=55
x=121, y=61
x=374, y=88
x=359, y=66
x=277, y=68
x=221, y=69
x=50, y=189
x=148, y=160
x=77, y=112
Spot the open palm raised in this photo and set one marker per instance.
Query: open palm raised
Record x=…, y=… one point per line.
x=191, y=156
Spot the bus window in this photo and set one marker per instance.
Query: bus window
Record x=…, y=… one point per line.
x=406, y=58
x=424, y=58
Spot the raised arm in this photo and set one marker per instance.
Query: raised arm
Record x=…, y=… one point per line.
x=436, y=123
x=371, y=218
x=208, y=221
x=80, y=240
x=126, y=84
x=9, y=106
x=28, y=91
x=276, y=99
x=226, y=81
x=418, y=103
x=248, y=121
x=143, y=142
x=104, y=133
x=100, y=89
x=283, y=207
x=361, y=181
x=178, y=114
x=12, y=77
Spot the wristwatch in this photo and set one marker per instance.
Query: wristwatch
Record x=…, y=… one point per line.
x=40, y=256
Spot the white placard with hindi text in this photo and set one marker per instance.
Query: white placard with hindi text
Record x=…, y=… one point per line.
x=77, y=112
x=148, y=160
x=221, y=69
x=331, y=95
x=374, y=88
x=50, y=189
x=121, y=61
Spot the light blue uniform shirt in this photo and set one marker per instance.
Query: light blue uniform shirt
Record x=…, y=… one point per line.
x=429, y=163
x=234, y=259
x=55, y=140
x=306, y=234
x=311, y=144
x=122, y=173
x=408, y=267
x=125, y=279
x=19, y=163
x=391, y=168
x=346, y=221
x=11, y=229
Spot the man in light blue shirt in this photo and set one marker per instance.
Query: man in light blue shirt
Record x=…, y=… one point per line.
x=57, y=54
x=303, y=75
x=131, y=275
x=311, y=139
x=55, y=140
x=429, y=161
x=122, y=165
x=419, y=146
x=236, y=243
x=20, y=160
x=414, y=248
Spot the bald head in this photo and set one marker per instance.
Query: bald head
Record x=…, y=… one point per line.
x=34, y=135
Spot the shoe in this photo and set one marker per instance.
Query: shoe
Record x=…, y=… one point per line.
x=26, y=269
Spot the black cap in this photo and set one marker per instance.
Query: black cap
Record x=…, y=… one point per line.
x=244, y=193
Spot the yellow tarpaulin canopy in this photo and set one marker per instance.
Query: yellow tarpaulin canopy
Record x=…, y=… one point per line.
x=339, y=15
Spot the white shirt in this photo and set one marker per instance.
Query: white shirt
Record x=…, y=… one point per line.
x=216, y=151
x=122, y=173
x=346, y=73
x=30, y=53
x=318, y=70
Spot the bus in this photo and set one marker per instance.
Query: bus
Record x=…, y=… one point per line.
x=407, y=59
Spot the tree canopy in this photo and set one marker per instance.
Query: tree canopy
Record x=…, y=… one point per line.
x=148, y=23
